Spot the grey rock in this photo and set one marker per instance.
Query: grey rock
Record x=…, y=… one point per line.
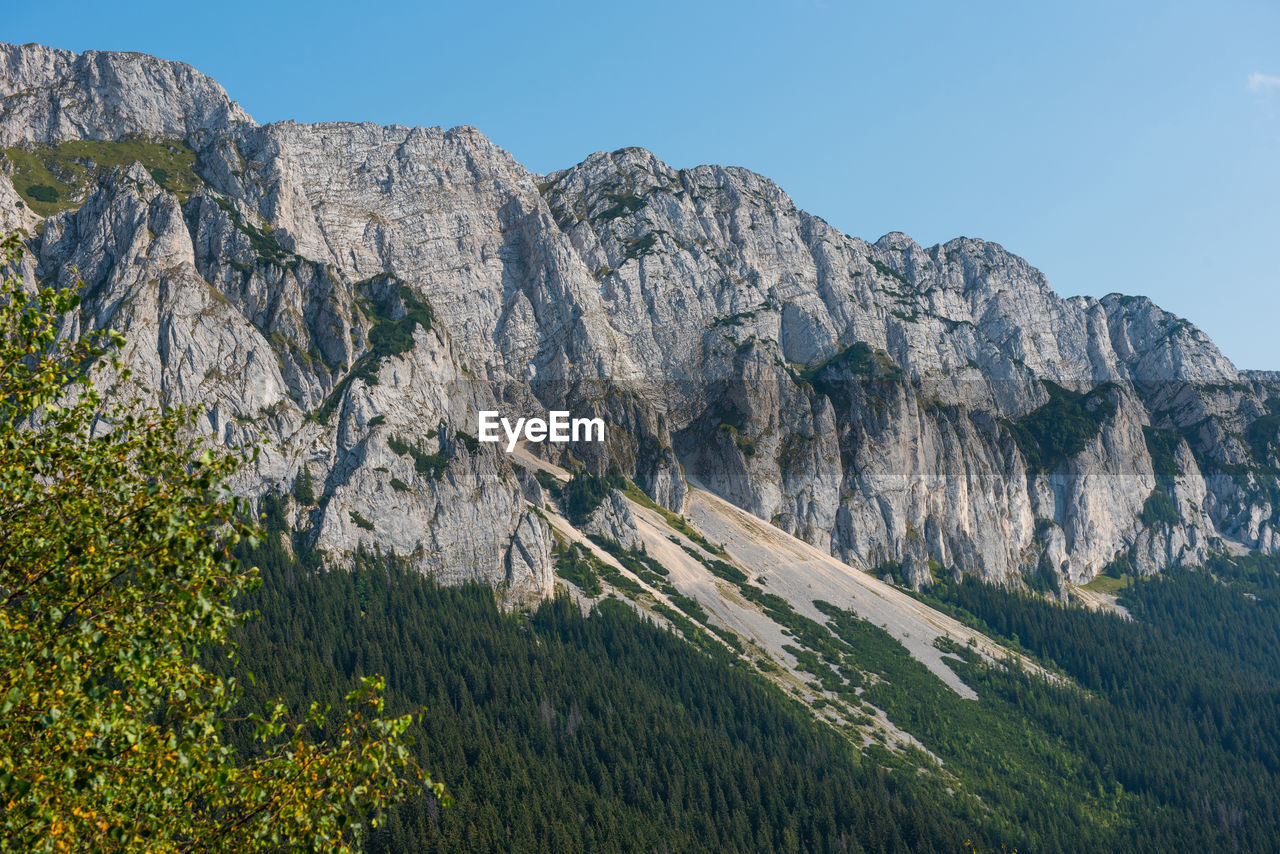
x=613, y=520
x=862, y=396
x=49, y=96
x=916, y=572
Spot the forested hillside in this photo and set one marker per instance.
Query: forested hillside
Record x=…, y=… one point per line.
x=1179, y=712
x=561, y=731
x=556, y=731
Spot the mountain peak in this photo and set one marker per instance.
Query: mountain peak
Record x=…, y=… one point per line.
x=48, y=95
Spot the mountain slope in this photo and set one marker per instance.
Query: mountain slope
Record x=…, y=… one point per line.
x=562, y=730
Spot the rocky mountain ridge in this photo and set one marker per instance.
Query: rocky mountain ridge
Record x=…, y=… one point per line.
x=354, y=294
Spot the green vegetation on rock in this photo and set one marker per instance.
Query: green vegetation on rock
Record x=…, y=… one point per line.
x=303, y=489
x=860, y=364
x=1160, y=509
x=584, y=492
x=1263, y=436
x=387, y=337
x=1060, y=429
x=887, y=271
x=263, y=240
x=641, y=246
x=55, y=178
x=431, y=466
x=576, y=563
x=390, y=337
x=1163, y=447
x=622, y=204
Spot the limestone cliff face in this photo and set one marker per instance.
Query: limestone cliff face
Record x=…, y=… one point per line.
x=353, y=294
x=49, y=96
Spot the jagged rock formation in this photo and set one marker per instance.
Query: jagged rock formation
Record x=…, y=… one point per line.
x=613, y=521
x=354, y=294
x=54, y=95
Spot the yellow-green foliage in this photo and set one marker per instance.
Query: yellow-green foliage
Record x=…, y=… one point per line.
x=1107, y=584
x=115, y=572
x=54, y=178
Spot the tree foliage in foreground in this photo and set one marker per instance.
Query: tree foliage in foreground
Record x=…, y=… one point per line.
x=115, y=572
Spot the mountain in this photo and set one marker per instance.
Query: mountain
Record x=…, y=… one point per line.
x=353, y=295
x=835, y=473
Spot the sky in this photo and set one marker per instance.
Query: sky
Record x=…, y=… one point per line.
x=1118, y=146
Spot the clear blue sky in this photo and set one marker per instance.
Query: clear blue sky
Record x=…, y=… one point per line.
x=1118, y=146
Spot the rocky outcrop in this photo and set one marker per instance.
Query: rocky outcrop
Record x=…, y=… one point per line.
x=50, y=96
x=613, y=521
x=278, y=358
x=353, y=294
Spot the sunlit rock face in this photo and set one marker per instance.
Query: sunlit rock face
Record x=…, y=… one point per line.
x=348, y=297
